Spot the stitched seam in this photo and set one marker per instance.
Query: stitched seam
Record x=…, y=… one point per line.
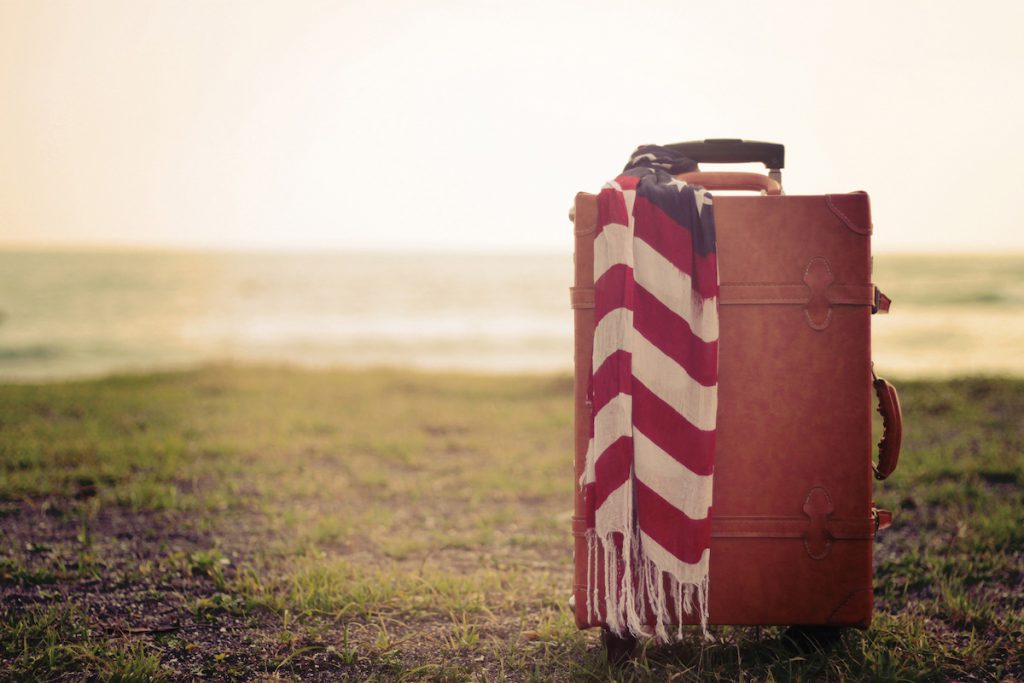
x=845, y=602
x=818, y=326
x=847, y=294
x=828, y=316
x=844, y=218
x=828, y=268
x=828, y=535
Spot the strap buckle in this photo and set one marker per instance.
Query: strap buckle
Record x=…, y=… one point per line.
x=881, y=518
x=881, y=303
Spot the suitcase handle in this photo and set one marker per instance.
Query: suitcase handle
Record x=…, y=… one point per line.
x=754, y=182
x=892, y=428
x=733, y=151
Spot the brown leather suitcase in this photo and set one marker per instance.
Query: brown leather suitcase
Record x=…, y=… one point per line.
x=793, y=520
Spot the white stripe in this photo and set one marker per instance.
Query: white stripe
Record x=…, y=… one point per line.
x=674, y=288
x=614, y=245
x=683, y=572
x=615, y=513
x=672, y=384
x=670, y=479
x=630, y=197
x=703, y=199
x=612, y=334
x=612, y=422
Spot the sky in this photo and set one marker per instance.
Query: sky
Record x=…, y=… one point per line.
x=471, y=125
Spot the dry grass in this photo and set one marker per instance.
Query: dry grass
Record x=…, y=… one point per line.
x=278, y=524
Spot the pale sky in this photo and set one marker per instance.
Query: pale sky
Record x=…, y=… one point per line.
x=468, y=125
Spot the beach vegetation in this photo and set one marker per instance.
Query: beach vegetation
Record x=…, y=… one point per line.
x=272, y=523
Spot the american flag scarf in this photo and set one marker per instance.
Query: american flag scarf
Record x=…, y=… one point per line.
x=654, y=397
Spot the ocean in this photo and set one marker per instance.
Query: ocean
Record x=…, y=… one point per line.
x=72, y=314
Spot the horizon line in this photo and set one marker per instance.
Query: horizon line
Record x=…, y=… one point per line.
x=128, y=248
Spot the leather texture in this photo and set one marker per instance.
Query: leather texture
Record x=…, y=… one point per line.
x=793, y=522
x=731, y=180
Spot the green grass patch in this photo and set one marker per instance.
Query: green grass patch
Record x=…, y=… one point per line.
x=269, y=523
x=57, y=642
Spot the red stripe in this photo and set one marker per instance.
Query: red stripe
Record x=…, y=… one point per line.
x=614, y=377
x=685, y=538
x=613, y=469
x=614, y=289
x=588, y=503
x=675, y=243
x=628, y=182
x=611, y=208
x=673, y=336
x=668, y=526
x=672, y=432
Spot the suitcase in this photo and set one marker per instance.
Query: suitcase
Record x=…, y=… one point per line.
x=792, y=515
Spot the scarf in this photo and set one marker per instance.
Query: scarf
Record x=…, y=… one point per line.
x=654, y=398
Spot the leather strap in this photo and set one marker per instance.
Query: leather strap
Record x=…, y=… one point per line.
x=762, y=293
x=581, y=297
x=818, y=293
x=892, y=428
x=730, y=294
x=788, y=527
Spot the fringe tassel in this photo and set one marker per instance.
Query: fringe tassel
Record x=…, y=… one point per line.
x=627, y=601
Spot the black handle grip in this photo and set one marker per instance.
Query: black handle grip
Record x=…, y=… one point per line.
x=730, y=151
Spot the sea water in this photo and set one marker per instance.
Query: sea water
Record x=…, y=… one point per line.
x=70, y=314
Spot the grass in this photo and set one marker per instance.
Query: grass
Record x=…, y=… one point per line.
x=277, y=524
x=45, y=643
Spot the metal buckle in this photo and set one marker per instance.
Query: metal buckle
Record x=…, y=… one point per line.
x=877, y=515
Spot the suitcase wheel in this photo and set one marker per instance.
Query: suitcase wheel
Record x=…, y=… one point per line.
x=618, y=648
x=812, y=638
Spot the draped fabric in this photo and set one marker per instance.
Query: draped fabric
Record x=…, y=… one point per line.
x=654, y=397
